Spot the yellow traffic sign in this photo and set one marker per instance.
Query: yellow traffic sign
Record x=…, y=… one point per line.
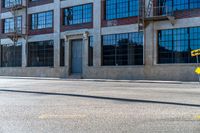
x=197, y=71
x=195, y=52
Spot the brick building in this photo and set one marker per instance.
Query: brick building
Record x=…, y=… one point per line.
x=117, y=39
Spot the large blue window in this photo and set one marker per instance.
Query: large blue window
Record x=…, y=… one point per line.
x=9, y=25
x=11, y=55
x=62, y=52
x=11, y=3
x=177, y=5
x=90, y=51
x=42, y=20
x=41, y=54
x=175, y=45
x=122, y=49
x=121, y=9
x=78, y=14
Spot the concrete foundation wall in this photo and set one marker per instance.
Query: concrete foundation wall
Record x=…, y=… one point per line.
x=34, y=72
x=159, y=72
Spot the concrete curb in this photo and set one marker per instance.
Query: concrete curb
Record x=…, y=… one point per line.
x=101, y=80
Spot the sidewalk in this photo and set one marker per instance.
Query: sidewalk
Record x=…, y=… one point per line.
x=101, y=80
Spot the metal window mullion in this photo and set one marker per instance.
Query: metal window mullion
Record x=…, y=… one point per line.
x=189, y=4
x=14, y=50
x=189, y=46
x=45, y=19
x=44, y=52
x=129, y=3
x=173, y=60
x=116, y=8
x=116, y=63
x=37, y=19
x=82, y=14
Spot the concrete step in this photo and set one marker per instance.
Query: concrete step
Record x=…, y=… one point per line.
x=75, y=76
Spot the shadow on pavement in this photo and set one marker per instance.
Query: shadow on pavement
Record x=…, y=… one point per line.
x=96, y=80
x=99, y=97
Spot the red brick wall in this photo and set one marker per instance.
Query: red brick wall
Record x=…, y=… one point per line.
x=76, y=27
x=187, y=13
x=40, y=31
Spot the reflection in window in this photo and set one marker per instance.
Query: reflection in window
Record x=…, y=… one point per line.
x=42, y=20
x=9, y=25
x=177, y=5
x=121, y=8
x=78, y=14
x=90, y=51
x=175, y=45
x=11, y=55
x=62, y=52
x=123, y=49
x=11, y=3
x=40, y=53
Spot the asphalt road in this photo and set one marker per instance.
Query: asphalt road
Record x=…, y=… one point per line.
x=83, y=106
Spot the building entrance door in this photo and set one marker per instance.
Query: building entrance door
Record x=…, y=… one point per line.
x=76, y=56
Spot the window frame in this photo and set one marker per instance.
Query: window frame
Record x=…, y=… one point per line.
x=116, y=56
x=8, y=3
x=82, y=16
x=35, y=24
x=188, y=39
x=17, y=61
x=179, y=6
x=62, y=52
x=91, y=51
x=11, y=27
x=116, y=13
x=40, y=61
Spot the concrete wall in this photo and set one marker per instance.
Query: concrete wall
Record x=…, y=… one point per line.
x=150, y=69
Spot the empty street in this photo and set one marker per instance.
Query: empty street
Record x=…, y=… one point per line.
x=39, y=105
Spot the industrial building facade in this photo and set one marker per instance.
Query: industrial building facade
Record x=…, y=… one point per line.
x=115, y=39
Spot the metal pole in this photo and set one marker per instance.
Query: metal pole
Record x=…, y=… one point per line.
x=198, y=66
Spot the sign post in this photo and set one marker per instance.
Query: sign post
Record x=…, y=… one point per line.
x=197, y=70
x=197, y=53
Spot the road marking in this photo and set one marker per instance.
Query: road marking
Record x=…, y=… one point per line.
x=198, y=117
x=53, y=116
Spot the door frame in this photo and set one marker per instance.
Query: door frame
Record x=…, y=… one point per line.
x=68, y=47
x=71, y=47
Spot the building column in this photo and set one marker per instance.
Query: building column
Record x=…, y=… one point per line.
x=149, y=45
x=149, y=51
x=67, y=55
x=24, y=54
x=56, y=33
x=85, y=49
x=97, y=32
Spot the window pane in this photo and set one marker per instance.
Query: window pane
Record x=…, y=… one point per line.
x=121, y=8
x=123, y=49
x=62, y=52
x=90, y=51
x=78, y=14
x=176, y=5
x=11, y=55
x=175, y=45
x=42, y=20
x=40, y=53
